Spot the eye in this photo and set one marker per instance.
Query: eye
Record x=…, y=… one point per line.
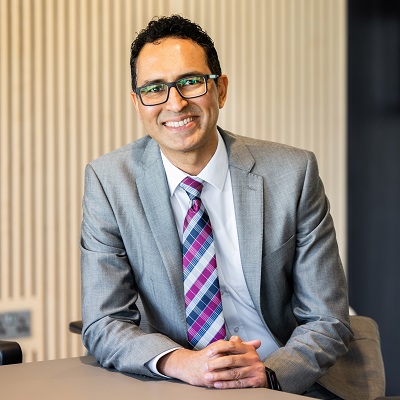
x=190, y=81
x=153, y=89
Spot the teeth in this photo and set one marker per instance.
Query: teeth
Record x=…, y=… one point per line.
x=178, y=124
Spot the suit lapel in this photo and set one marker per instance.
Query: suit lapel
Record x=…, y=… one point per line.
x=248, y=202
x=156, y=202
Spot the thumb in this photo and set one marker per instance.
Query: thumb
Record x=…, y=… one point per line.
x=255, y=343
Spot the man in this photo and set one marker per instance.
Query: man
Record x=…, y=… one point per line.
x=267, y=237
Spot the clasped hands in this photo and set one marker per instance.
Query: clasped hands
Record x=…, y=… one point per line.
x=223, y=364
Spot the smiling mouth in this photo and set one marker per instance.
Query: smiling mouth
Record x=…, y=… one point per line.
x=177, y=124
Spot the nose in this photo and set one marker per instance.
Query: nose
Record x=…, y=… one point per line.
x=175, y=101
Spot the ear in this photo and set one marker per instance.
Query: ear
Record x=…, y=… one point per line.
x=222, y=90
x=136, y=103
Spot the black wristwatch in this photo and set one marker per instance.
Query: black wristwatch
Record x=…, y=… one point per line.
x=272, y=379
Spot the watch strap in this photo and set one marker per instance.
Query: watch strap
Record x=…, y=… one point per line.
x=272, y=379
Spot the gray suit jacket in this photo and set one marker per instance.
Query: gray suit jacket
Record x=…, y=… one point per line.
x=288, y=251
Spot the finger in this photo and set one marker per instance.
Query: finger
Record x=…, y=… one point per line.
x=213, y=351
x=255, y=343
x=231, y=347
x=238, y=384
x=234, y=361
x=222, y=347
x=237, y=377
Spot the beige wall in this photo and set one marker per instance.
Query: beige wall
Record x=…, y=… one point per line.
x=65, y=99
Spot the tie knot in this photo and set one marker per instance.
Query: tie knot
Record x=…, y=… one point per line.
x=192, y=187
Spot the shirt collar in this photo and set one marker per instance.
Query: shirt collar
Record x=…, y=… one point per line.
x=213, y=173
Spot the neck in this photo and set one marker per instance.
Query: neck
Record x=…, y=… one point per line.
x=192, y=162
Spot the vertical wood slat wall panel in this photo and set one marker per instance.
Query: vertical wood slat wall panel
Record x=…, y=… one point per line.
x=65, y=99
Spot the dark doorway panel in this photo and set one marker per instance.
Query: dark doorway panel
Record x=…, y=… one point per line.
x=374, y=171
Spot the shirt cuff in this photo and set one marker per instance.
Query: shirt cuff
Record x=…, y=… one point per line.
x=152, y=364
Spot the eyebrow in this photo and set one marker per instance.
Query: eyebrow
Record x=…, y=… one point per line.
x=186, y=74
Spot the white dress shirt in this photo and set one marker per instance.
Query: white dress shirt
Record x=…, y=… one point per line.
x=241, y=317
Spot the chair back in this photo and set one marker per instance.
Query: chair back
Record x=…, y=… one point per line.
x=10, y=352
x=359, y=374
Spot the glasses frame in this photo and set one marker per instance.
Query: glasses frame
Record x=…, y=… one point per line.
x=175, y=85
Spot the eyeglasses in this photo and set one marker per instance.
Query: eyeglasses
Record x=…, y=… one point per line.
x=188, y=87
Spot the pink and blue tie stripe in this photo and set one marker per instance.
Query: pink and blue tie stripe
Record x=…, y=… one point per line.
x=204, y=317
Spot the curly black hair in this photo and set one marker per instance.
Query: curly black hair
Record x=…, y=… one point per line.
x=178, y=27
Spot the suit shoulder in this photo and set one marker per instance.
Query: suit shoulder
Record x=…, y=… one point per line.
x=266, y=146
x=126, y=154
x=274, y=153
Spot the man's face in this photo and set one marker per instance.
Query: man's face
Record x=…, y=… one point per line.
x=170, y=60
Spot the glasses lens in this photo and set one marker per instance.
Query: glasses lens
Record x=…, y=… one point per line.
x=188, y=87
x=192, y=86
x=154, y=94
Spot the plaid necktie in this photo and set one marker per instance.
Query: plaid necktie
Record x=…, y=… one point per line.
x=205, y=321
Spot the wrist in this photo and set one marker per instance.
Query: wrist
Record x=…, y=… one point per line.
x=169, y=363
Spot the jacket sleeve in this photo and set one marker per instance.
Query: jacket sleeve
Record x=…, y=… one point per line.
x=110, y=317
x=319, y=300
